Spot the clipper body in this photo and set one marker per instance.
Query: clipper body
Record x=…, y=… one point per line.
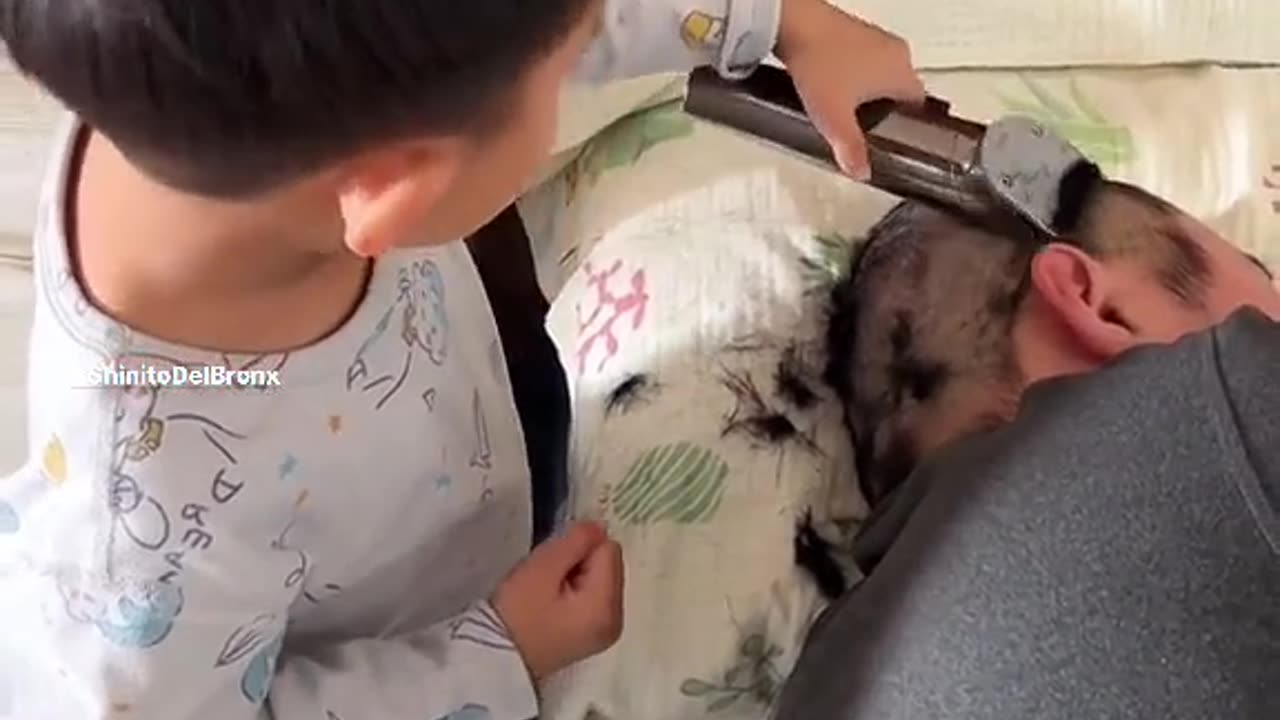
x=1012, y=166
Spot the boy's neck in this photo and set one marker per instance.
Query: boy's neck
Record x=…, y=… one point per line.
x=209, y=273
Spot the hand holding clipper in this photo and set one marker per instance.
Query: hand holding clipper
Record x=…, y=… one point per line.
x=923, y=153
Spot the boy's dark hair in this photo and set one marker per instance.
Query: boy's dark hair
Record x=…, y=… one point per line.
x=229, y=98
x=924, y=316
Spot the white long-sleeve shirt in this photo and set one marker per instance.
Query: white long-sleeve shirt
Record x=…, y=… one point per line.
x=316, y=549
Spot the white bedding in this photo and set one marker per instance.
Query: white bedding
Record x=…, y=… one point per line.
x=735, y=241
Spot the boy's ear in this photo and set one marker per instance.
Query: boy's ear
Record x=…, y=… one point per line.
x=1077, y=289
x=388, y=196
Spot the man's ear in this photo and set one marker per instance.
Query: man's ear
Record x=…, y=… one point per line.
x=388, y=196
x=1077, y=289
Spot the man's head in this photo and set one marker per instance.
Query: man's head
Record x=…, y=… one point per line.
x=416, y=113
x=941, y=324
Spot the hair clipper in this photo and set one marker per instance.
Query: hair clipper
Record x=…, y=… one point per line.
x=1014, y=165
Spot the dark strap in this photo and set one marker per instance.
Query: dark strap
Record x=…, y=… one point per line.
x=502, y=254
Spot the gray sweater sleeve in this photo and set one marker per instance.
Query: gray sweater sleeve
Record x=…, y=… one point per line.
x=1111, y=554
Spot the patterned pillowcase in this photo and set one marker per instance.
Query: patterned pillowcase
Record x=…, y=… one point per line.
x=690, y=324
x=688, y=265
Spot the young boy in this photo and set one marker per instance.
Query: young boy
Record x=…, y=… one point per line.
x=278, y=187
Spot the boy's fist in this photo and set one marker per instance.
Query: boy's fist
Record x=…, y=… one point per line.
x=563, y=603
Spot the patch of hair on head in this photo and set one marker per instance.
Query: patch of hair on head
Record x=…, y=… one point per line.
x=634, y=390
x=791, y=380
x=923, y=312
x=897, y=461
x=920, y=335
x=884, y=458
x=816, y=556
x=1186, y=268
x=1126, y=220
x=1004, y=301
x=1002, y=304
x=909, y=373
x=753, y=417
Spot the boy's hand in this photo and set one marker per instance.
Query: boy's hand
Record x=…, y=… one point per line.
x=839, y=63
x=563, y=603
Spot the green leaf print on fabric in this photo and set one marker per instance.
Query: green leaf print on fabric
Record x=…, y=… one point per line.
x=625, y=142
x=753, y=678
x=827, y=261
x=1078, y=120
x=681, y=483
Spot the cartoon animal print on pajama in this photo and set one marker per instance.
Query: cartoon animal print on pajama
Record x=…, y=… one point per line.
x=314, y=590
x=260, y=642
x=10, y=523
x=128, y=612
x=53, y=468
x=54, y=464
x=416, y=325
x=256, y=681
x=247, y=639
x=134, y=611
x=701, y=31
x=140, y=429
x=482, y=453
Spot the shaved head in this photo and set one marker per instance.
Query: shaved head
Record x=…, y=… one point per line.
x=923, y=321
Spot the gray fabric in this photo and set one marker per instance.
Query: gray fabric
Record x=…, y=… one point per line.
x=1111, y=554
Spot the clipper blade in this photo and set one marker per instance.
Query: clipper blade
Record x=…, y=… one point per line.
x=1041, y=177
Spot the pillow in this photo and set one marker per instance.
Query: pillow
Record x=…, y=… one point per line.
x=702, y=431
x=1062, y=33
x=688, y=268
